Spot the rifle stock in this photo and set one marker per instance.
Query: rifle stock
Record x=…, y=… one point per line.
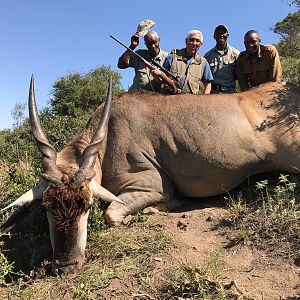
x=162, y=73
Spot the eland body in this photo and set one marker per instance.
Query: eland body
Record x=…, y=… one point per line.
x=144, y=149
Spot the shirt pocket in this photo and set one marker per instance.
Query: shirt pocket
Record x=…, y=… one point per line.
x=195, y=74
x=247, y=69
x=143, y=69
x=214, y=65
x=194, y=86
x=229, y=62
x=263, y=66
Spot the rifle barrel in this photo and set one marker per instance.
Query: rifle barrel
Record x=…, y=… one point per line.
x=120, y=42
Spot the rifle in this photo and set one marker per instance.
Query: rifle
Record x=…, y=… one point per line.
x=153, y=65
x=176, y=78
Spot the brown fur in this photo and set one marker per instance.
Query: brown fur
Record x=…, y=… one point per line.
x=66, y=204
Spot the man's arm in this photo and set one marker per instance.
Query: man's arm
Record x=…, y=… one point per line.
x=123, y=61
x=207, y=88
x=276, y=71
x=241, y=77
x=236, y=54
x=207, y=78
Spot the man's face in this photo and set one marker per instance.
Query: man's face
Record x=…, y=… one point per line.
x=193, y=43
x=221, y=36
x=152, y=44
x=251, y=43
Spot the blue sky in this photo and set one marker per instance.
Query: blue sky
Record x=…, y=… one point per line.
x=53, y=38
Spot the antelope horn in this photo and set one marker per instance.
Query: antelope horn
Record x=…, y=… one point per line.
x=100, y=192
x=34, y=194
x=86, y=170
x=48, y=153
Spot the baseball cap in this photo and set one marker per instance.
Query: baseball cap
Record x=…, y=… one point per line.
x=221, y=26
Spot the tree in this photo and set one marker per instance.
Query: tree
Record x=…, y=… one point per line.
x=17, y=114
x=289, y=45
x=77, y=93
x=289, y=30
x=291, y=69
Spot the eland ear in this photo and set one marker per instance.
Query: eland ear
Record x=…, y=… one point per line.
x=19, y=215
x=34, y=194
x=100, y=192
x=28, y=202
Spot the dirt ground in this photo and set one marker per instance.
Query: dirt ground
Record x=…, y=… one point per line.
x=196, y=233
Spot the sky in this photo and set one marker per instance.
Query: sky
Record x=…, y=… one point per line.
x=51, y=38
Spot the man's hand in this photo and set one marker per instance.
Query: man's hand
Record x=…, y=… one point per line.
x=134, y=41
x=156, y=74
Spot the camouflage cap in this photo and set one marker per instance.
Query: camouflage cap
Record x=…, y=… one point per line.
x=143, y=27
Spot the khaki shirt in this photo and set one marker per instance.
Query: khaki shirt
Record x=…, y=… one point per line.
x=255, y=70
x=143, y=78
x=223, y=66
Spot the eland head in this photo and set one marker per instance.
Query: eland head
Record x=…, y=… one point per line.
x=66, y=190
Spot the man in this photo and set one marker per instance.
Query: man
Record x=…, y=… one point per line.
x=191, y=68
x=222, y=61
x=143, y=78
x=258, y=63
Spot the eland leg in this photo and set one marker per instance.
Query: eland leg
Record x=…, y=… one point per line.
x=146, y=189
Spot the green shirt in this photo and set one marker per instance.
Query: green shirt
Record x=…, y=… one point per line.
x=143, y=78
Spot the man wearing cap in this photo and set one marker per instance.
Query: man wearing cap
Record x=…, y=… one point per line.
x=143, y=78
x=258, y=63
x=191, y=68
x=222, y=61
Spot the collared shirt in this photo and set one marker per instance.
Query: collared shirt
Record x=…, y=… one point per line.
x=258, y=69
x=143, y=78
x=223, y=66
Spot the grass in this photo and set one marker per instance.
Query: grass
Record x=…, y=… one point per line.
x=272, y=218
x=15, y=178
x=194, y=282
x=6, y=267
x=117, y=254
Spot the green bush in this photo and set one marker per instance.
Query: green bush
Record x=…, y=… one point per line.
x=272, y=218
x=76, y=93
x=6, y=268
x=291, y=69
